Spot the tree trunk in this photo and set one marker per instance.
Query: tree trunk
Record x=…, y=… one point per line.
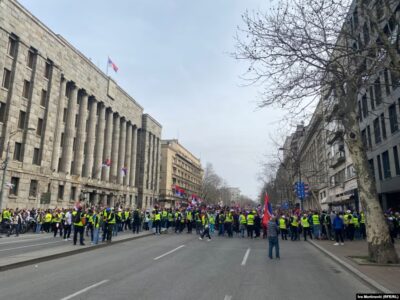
x=380, y=247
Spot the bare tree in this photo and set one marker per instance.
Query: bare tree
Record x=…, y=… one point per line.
x=306, y=50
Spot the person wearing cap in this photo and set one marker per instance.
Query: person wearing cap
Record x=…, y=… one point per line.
x=305, y=225
x=272, y=234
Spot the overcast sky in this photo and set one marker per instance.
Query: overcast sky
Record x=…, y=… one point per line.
x=173, y=58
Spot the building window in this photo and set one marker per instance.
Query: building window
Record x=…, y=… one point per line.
x=396, y=160
x=76, y=120
x=36, y=156
x=6, y=79
x=383, y=125
x=12, y=46
x=33, y=188
x=371, y=97
x=378, y=158
x=364, y=137
x=39, y=128
x=25, y=91
x=386, y=164
x=395, y=80
x=14, y=186
x=62, y=140
x=43, y=98
x=365, y=106
x=72, y=196
x=31, y=58
x=377, y=131
x=378, y=91
x=387, y=83
x=17, y=151
x=60, y=192
x=47, y=69
x=21, y=120
x=65, y=115
x=371, y=167
x=351, y=172
x=2, y=112
x=394, y=125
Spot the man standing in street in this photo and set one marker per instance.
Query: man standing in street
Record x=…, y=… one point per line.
x=78, y=217
x=272, y=233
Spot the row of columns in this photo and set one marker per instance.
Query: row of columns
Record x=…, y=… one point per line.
x=100, y=135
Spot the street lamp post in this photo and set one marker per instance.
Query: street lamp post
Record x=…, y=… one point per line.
x=5, y=163
x=299, y=172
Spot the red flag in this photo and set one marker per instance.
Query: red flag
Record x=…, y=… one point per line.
x=267, y=210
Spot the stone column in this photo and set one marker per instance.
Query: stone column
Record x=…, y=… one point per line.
x=128, y=152
x=91, y=138
x=108, y=145
x=69, y=131
x=114, y=150
x=98, y=157
x=133, y=157
x=59, y=122
x=121, y=154
x=80, y=135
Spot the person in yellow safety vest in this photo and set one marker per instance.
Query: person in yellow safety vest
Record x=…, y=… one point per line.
x=177, y=218
x=228, y=223
x=294, y=228
x=164, y=218
x=96, y=221
x=47, y=221
x=206, y=226
x=119, y=220
x=362, y=226
x=283, y=227
x=78, y=218
x=189, y=219
x=305, y=225
x=350, y=226
x=316, y=225
x=242, y=224
x=90, y=225
x=127, y=218
x=170, y=219
x=5, y=215
x=157, y=221
x=250, y=224
x=356, y=224
x=111, y=221
x=211, y=219
x=346, y=223
x=56, y=223
x=197, y=219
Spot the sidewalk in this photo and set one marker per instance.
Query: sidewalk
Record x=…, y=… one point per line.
x=385, y=276
x=32, y=257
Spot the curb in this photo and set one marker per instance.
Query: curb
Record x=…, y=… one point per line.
x=67, y=253
x=372, y=283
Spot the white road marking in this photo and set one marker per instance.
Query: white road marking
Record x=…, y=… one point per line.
x=227, y=297
x=246, y=255
x=85, y=290
x=169, y=252
x=28, y=246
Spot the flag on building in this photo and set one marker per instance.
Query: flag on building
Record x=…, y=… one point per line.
x=267, y=210
x=124, y=171
x=113, y=65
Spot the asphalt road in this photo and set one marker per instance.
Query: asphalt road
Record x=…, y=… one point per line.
x=183, y=267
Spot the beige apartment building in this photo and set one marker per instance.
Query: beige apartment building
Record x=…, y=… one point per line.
x=181, y=175
x=73, y=133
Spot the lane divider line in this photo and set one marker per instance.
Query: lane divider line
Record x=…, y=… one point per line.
x=246, y=255
x=227, y=297
x=28, y=246
x=85, y=290
x=169, y=252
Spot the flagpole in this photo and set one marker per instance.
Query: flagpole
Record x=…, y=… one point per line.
x=108, y=58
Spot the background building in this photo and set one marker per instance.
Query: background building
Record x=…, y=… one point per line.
x=85, y=143
x=181, y=175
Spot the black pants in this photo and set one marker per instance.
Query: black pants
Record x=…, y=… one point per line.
x=189, y=226
x=363, y=231
x=339, y=234
x=79, y=229
x=206, y=232
x=257, y=230
x=136, y=227
x=109, y=231
x=306, y=230
x=55, y=229
x=284, y=234
x=294, y=232
x=228, y=228
x=157, y=225
x=67, y=231
x=250, y=229
x=350, y=230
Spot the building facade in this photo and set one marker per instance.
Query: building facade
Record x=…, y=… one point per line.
x=72, y=131
x=181, y=175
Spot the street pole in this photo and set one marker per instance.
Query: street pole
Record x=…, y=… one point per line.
x=3, y=179
x=301, y=195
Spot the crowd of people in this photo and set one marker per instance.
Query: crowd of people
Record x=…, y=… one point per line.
x=104, y=223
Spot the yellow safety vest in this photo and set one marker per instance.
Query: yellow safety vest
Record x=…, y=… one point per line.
x=355, y=221
x=362, y=218
x=157, y=217
x=229, y=218
x=294, y=222
x=242, y=219
x=47, y=218
x=74, y=213
x=111, y=218
x=315, y=219
x=304, y=222
x=250, y=219
x=282, y=223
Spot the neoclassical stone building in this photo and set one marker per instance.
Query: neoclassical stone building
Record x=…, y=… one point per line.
x=73, y=133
